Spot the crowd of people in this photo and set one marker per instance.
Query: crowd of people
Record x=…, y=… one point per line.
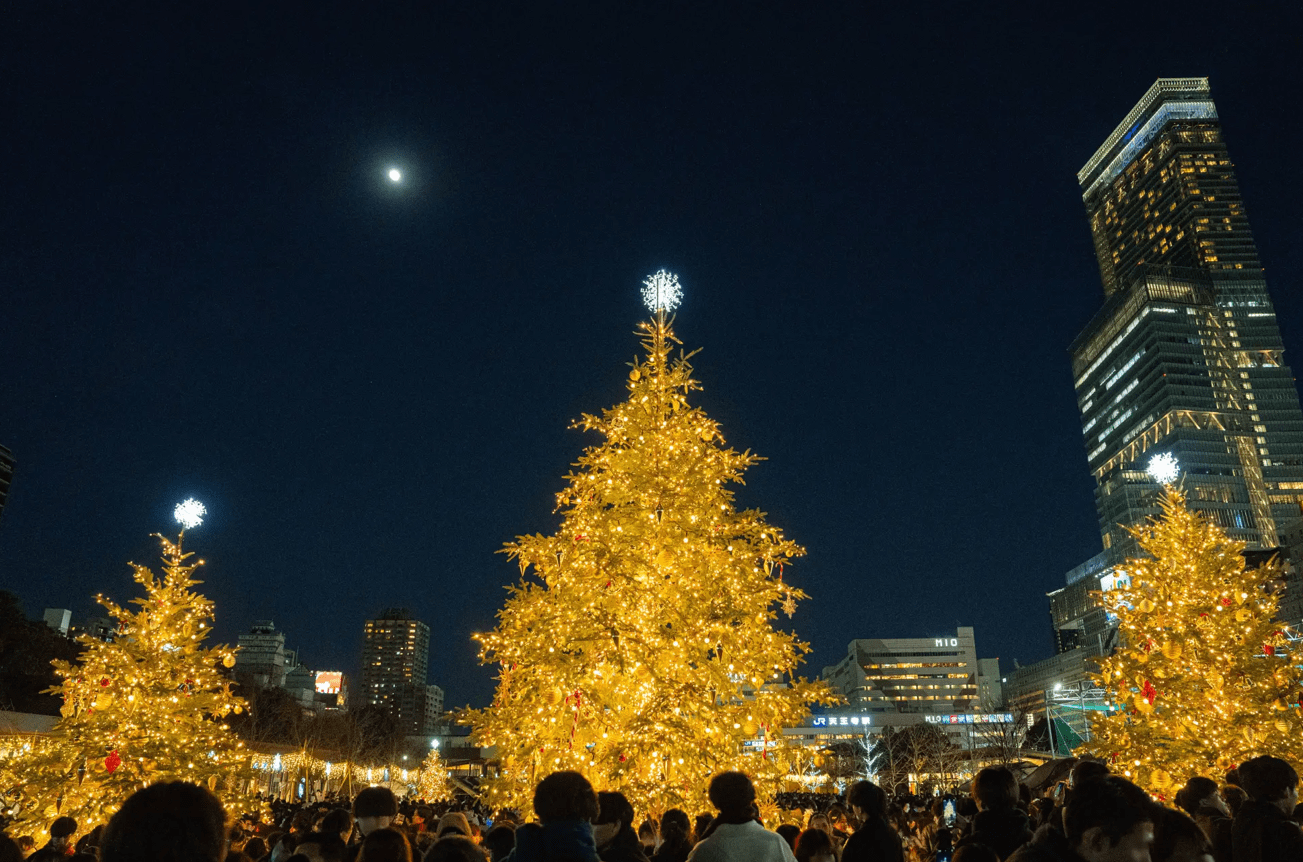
x=1094, y=816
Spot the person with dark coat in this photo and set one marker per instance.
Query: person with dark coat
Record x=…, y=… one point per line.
x=1108, y=819
x=613, y=831
x=1263, y=830
x=999, y=824
x=676, y=835
x=874, y=840
x=1201, y=800
x=566, y=806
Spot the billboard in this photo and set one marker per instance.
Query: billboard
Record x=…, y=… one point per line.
x=329, y=681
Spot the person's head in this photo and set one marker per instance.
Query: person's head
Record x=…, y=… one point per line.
x=1109, y=819
x=455, y=848
x=385, y=845
x=790, y=832
x=167, y=822
x=675, y=826
x=1177, y=838
x=647, y=832
x=814, y=845
x=423, y=814
x=338, y=821
x=26, y=843
x=323, y=847
x=565, y=796
x=732, y=793
x=453, y=823
x=499, y=841
x=9, y=849
x=867, y=799
x=1270, y=779
x=995, y=789
x=302, y=821
x=255, y=848
x=374, y=808
x=1085, y=770
x=1233, y=777
x=819, y=821
x=700, y=825
x=975, y=853
x=62, y=830
x=1234, y=796
x=614, y=815
x=1198, y=792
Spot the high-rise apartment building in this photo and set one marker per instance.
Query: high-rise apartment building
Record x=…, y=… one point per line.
x=395, y=663
x=1185, y=357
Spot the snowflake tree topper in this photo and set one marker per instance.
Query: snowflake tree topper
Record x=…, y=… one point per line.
x=661, y=292
x=189, y=513
x=1163, y=468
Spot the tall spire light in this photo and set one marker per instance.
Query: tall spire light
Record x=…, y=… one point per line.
x=661, y=292
x=189, y=513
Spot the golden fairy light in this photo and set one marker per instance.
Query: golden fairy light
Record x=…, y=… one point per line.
x=1204, y=677
x=640, y=647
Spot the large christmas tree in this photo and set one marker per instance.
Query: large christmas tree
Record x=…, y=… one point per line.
x=1205, y=677
x=640, y=647
x=147, y=706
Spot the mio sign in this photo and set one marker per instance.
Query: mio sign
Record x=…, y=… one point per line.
x=947, y=641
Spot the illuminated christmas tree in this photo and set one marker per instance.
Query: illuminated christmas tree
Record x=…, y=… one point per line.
x=147, y=706
x=433, y=784
x=1203, y=676
x=640, y=647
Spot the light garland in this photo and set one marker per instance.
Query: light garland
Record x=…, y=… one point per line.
x=640, y=647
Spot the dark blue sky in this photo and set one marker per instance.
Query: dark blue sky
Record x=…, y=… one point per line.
x=210, y=289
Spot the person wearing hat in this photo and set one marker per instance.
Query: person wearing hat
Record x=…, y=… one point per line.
x=60, y=843
x=453, y=823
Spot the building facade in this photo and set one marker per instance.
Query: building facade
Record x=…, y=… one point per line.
x=1185, y=356
x=395, y=664
x=261, y=659
x=937, y=675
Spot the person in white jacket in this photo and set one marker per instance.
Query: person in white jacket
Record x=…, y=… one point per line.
x=736, y=835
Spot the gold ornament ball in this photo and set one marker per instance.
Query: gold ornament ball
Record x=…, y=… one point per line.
x=750, y=728
x=1146, y=606
x=555, y=696
x=665, y=558
x=1282, y=725
x=1160, y=779
x=228, y=661
x=1172, y=650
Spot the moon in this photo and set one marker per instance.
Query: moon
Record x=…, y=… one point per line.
x=395, y=175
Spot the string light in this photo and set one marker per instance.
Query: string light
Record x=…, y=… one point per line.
x=150, y=705
x=645, y=624
x=1204, y=677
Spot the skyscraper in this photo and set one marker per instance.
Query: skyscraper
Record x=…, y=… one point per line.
x=395, y=663
x=1185, y=356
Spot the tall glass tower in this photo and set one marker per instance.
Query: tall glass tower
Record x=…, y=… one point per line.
x=1185, y=356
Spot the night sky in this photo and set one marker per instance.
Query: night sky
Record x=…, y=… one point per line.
x=211, y=289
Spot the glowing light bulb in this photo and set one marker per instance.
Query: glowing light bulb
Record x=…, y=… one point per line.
x=189, y=513
x=395, y=175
